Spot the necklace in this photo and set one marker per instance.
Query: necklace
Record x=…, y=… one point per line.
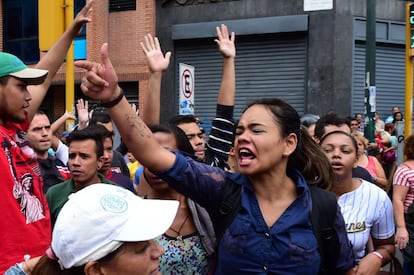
x=179, y=236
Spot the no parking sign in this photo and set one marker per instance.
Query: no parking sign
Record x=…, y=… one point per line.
x=186, y=103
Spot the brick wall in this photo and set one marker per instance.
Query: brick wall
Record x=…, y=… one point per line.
x=123, y=31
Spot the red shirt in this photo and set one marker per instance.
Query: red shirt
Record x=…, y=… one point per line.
x=25, y=226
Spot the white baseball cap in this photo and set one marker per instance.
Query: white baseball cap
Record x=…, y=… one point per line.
x=99, y=218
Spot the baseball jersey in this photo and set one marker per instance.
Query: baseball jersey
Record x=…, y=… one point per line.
x=367, y=211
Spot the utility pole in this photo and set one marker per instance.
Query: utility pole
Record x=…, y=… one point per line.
x=370, y=88
x=70, y=67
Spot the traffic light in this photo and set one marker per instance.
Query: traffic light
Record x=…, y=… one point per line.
x=51, y=22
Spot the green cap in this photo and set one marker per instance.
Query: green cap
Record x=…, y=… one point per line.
x=13, y=66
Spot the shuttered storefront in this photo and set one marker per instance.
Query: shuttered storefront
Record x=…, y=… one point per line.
x=266, y=66
x=390, y=78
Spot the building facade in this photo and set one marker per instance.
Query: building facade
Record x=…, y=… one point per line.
x=122, y=24
x=313, y=59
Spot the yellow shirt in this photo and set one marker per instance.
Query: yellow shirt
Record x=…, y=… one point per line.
x=133, y=166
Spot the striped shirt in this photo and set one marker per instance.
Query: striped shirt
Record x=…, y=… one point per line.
x=367, y=211
x=220, y=138
x=404, y=176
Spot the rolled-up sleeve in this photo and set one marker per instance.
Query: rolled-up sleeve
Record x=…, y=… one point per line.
x=200, y=182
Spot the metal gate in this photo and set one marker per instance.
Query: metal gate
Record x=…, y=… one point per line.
x=266, y=66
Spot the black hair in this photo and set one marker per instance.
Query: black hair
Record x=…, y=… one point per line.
x=102, y=131
x=357, y=114
x=94, y=132
x=100, y=114
x=352, y=119
x=308, y=158
x=395, y=115
x=329, y=119
x=40, y=113
x=183, y=144
x=354, y=141
x=180, y=119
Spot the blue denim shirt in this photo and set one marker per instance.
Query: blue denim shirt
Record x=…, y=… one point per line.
x=15, y=270
x=249, y=246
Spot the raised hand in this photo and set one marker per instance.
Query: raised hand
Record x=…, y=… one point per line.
x=100, y=81
x=82, y=107
x=84, y=15
x=224, y=42
x=157, y=61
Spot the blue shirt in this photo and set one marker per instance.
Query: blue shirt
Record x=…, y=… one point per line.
x=249, y=245
x=389, y=119
x=138, y=174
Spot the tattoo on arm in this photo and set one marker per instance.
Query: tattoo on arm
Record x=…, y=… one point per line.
x=135, y=122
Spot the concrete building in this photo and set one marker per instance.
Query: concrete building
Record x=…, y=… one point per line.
x=313, y=59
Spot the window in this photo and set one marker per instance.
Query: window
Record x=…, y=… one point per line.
x=21, y=35
x=122, y=5
x=79, y=4
x=80, y=40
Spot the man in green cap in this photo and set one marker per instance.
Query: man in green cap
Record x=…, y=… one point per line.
x=25, y=226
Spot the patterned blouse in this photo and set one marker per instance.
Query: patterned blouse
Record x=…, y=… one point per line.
x=183, y=255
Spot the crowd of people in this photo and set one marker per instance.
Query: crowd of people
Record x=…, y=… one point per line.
x=273, y=193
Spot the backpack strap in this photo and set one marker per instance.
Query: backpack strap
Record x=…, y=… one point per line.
x=323, y=214
x=225, y=212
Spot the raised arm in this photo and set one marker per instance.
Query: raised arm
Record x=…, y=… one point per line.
x=157, y=63
x=55, y=126
x=228, y=51
x=101, y=83
x=221, y=134
x=55, y=56
x=61, y=120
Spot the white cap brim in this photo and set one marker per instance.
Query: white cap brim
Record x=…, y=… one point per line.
x=31, y=76
x=151, y=223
